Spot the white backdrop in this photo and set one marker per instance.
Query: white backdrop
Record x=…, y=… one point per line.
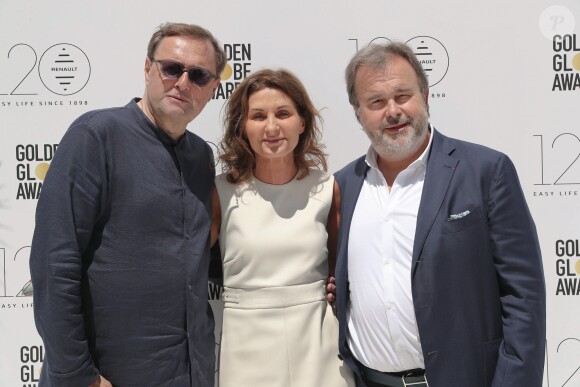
x=499, y=76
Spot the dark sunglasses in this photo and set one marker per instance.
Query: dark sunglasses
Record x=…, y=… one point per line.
x=172, y=69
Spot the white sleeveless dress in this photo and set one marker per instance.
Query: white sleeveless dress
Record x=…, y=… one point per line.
x=278, y=330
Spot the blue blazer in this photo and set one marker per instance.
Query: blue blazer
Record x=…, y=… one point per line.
x=477, y=281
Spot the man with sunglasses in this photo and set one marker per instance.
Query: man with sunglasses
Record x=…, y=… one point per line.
x=120, y=252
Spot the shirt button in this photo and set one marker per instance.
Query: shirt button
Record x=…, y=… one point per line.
x=189, y=286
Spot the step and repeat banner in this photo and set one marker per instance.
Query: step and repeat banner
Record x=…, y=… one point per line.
x=506, y=75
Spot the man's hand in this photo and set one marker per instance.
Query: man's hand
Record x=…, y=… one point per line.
x=331, y=292
x=101, y=382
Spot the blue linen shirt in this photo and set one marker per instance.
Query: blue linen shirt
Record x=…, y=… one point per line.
x=120, y=255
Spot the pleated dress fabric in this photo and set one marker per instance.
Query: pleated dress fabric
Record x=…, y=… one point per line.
x=278, y=330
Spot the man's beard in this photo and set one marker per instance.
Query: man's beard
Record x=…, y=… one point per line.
x=403, y=144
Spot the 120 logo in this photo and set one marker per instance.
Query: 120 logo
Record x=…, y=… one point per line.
x=63, y=69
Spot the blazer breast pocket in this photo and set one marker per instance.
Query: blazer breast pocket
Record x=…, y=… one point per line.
x=461, y=220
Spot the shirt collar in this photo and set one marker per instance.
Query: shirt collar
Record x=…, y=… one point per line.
x=150, y=127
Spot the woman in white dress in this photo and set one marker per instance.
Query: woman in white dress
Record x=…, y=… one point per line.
x=276, y=213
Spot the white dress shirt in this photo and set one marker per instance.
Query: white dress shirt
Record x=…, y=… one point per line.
x=382, y=328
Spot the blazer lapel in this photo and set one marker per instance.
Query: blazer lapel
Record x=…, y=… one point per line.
x=440, y=169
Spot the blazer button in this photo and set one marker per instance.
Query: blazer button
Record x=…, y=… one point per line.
x=339, y=357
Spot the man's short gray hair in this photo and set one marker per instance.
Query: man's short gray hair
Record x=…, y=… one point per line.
x=377, y=56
